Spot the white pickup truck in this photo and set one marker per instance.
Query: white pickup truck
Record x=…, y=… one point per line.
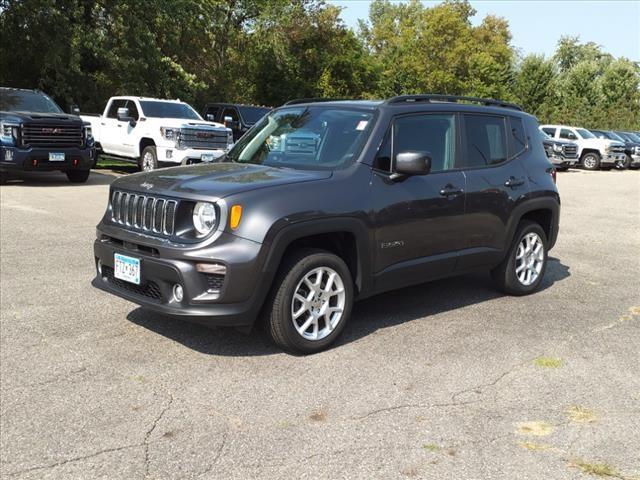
x=155, y=132
x=593, y=152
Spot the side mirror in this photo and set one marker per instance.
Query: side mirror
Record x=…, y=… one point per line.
x=230, y=123
x=411, y=163
x=210, y=117
x=124, y=116
x=75, y=109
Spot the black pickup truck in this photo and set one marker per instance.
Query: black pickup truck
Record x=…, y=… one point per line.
x=36, y=135
x=235, y=116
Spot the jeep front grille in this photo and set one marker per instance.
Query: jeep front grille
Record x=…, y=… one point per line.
x=200, y=138
x=143, y=212
x=52, y=135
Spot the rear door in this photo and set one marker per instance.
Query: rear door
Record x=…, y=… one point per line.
x=493, y=147
x=419, y=222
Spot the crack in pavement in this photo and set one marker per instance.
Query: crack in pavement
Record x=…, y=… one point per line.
x=217, y=456
x=413, y=405
x=145, y=442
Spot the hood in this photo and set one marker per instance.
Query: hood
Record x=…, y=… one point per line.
x=184, y=123
x=215, y=180
x=596, y=142
x=36, y=116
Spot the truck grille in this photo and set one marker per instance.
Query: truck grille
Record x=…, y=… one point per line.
x=203, y=139
x=570, y=150
x=144, y=213
x=52, y=135
x=617, y=148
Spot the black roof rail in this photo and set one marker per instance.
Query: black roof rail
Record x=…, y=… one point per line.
x=451, y=98
x=314, y=100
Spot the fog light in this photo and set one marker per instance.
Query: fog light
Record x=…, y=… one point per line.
x=169, y=153
x=178, y=293
x=8, y=155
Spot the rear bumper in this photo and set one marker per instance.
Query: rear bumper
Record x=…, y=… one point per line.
x=235, y=301
x=37, y=159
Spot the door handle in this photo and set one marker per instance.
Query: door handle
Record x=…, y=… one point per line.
x=514, y=182
x=102, y=123
x=119, y=125
x=451, y=191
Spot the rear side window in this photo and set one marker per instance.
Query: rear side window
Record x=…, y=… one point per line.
x=485, y=141
x=518, y=138
x=427, y=133
x=113, y=109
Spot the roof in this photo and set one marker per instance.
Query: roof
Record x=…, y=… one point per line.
x=133, y=97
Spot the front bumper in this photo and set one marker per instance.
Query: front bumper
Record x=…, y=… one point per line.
x=233, y=300
x=634, y=161
x=14, y=159
x=184, y=156
x=611, y=159
x=563, y=162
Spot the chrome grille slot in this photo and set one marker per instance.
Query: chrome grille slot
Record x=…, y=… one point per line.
x=143, y=212
x=570, y=150
x=52, y=135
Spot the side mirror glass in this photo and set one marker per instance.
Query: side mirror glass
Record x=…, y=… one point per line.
x=210, y=117
x=412, y=163
x=124, y=116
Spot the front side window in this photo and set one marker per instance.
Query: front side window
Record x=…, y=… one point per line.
x=158, y=109
x=133, y=110
x=568, y=134
x=113, y=108
x=485, y=140
x=308, y=138
x=230, y=112
x=549, y=131
x=26, y=101
x=427, y=133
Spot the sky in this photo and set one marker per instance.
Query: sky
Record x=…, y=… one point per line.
x=536, y=26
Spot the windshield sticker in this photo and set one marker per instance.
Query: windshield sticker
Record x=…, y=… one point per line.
x=362, y=124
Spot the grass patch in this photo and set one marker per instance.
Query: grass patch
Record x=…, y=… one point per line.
x=597, y=469
x=578, y=414
x=634, y=310
x=537, y=447
x=432, y=447
x=548, y=362
x=539, y=429
x=107, y=163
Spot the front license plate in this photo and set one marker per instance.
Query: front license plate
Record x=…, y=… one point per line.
x=126, y=268
x=56, y=157
x=207, y=157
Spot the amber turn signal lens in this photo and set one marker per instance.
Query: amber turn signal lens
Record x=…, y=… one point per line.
x=236, y=216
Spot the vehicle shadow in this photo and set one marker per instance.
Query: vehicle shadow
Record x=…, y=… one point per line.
x=368, y=315
x=56, y=179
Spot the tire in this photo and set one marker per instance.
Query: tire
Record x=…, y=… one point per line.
x=562, y=169
x=285, y=329
x=506, y=277
x=624, y=165
x=78, y=176
x=148, y=160
x=591, y=161
x=4, y=178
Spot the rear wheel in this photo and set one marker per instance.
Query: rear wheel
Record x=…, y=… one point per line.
x=310, y=302
x=78, y=176
x=522, y=270
x=149, y=159
x=591, y=161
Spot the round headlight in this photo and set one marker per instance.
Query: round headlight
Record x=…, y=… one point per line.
x=204, y=218
x=557, y=148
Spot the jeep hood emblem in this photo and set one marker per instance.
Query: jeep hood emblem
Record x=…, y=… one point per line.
x=147, y=185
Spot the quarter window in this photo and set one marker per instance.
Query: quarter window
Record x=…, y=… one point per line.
x=427, y=133
x=486, y=141
x=518, y=139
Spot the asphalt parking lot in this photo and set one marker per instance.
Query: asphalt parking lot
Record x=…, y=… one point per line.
x=446, y=380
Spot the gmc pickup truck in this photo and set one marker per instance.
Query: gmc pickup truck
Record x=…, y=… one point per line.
x=154, y=132
x=36, y=135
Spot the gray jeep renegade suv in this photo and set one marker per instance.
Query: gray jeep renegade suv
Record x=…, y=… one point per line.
x=325, y=202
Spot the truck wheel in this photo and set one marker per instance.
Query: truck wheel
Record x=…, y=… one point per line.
x=78, y=176
x=310, y=301
x=522, y=270
x=623, y=164
x=591, y=161
x=149, y=159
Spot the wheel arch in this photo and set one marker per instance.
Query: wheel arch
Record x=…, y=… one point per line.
x=544, y=211
x=144, y=143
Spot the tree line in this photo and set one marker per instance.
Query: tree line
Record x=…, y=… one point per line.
x=269, y=51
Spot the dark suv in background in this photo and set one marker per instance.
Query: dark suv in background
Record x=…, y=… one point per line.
x=36, y=135
x=239, y=118
x=631, y=148
x=324, y=203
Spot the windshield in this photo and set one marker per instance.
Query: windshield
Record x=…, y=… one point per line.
x=27, y=101
x=615, y=136
x=155, y=109
x=310, y=138
x=633, y=136
x=585, y=133
x=252, y=114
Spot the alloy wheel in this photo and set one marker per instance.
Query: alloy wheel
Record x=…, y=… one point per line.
x=529, y=259
x=147, y=162
x=318, y=303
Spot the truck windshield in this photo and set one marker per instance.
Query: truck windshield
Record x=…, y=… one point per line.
x=615, y=136
x=585, y=133
x=27, y=101
x=309, y=138
x=251, y=115
x=154, y=109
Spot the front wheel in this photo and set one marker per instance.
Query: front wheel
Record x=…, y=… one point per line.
x=310, y=302
x=623, y=164
x=591, y=161
x=78, y=176
x=149, y=159
x=521, y=272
